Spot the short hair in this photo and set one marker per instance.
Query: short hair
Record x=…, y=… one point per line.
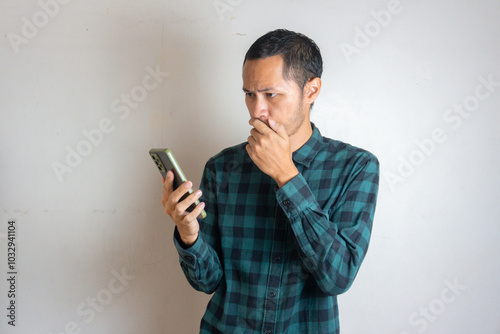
x=301, y=56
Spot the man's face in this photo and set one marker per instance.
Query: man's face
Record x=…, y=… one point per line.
x=269, y=95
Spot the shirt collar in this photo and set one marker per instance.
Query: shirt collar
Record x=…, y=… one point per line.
x=306, y=153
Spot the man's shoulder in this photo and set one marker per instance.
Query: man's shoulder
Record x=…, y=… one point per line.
x=236, y=154
x=342, y=151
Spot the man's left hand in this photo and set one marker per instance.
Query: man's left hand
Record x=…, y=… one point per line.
x=269, y=148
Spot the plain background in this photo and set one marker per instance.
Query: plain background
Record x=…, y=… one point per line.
x=388, y=85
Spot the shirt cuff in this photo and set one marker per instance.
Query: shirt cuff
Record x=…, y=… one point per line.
x=295, y=196
x=186, y=253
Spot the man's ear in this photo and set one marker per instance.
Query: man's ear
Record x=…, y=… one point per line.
x=311, y=90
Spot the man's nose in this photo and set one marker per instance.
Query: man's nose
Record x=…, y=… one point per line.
x=260, y=110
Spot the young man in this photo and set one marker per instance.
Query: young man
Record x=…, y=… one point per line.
x=289, y=212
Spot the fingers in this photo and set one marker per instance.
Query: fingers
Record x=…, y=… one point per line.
x=259, y=138
x=255, y=136
x=181, y=207
x=259, y=125
x=186, y=222
x=259, y=131
x=170, y=198
x=168, y=184
x=260, y=128
x=169, y=193
x=191, y=216
x=176, y=195
x=278, y=128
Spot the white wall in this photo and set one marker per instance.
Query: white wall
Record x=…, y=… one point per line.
x=437, y=218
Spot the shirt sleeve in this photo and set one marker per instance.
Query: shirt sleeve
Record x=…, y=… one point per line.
x=332, y=242
x=200, y=262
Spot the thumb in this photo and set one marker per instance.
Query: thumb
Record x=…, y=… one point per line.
x=278, y=128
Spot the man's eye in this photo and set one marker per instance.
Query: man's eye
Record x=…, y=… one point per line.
x=271, y=94
x=249, y=94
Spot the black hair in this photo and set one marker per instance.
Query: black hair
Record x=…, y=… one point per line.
x=301, y=56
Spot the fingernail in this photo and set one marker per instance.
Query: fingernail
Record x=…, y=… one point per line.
x=188, y=184
x=272, y=122
x=198, y=192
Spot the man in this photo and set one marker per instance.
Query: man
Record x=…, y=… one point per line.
x=289, y=212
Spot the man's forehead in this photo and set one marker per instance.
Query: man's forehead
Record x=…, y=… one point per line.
x=265, y=73
x=270, y=65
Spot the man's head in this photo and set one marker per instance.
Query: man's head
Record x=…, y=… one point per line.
x=281, y=78
x=301, y=56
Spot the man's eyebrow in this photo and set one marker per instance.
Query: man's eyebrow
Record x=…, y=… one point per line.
x=260, y=90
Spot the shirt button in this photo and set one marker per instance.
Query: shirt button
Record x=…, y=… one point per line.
x=286, y=202
x=272, y=294
x=268, y=331
x=277, y=258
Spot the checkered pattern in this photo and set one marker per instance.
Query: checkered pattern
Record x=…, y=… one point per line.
x=277, y=258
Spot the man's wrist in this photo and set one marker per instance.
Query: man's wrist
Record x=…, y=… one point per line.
x=283, y=179
x=186, y=241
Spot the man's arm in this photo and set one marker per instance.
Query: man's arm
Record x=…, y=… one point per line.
x=333, y=244
x=199, y=261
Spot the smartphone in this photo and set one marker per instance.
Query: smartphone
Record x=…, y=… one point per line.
x=165, y=161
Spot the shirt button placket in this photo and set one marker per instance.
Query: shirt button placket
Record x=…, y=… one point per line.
x=275, y=273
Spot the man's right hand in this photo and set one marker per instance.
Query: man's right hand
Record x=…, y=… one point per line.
x=186, y=222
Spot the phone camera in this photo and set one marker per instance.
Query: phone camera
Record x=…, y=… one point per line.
x=158, y=162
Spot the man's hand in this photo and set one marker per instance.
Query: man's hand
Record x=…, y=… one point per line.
x=269, y=148
x=186, y=222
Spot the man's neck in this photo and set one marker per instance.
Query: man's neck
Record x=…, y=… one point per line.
x=301, y=136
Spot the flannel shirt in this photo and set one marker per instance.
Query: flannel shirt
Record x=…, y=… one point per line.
x=276, y=258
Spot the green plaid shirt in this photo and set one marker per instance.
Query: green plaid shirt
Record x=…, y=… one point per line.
x=277, y=258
